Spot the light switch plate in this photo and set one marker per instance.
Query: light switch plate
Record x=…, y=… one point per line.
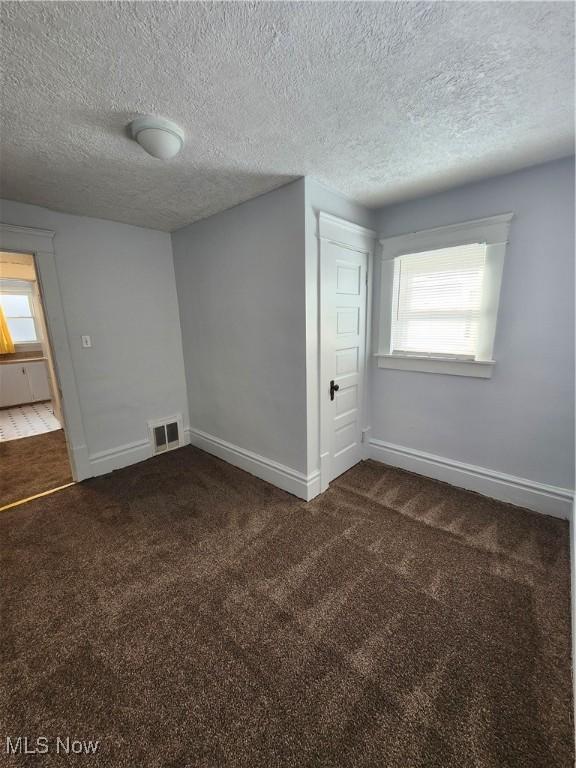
x=86, y=342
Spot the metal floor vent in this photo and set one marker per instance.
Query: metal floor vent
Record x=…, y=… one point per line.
x=165, y=436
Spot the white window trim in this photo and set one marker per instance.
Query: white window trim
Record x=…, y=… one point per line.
x=493, y=231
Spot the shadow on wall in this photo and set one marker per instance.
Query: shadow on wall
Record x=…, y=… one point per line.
x=128, y=185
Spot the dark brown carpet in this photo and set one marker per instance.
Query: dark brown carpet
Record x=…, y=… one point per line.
x=32, y=465
x=185, y=613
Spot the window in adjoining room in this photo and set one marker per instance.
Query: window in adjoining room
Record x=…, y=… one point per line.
x=16, y=299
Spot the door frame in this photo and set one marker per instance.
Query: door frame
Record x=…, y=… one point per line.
x=346, y=234
x=39, y=243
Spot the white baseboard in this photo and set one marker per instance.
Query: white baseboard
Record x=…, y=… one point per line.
x=124, y=455
x=303, y=486
x=121, y=456
x=548, y=499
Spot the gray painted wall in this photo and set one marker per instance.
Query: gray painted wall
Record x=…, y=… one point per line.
x=241, y=286
x=521, y=421
x=117, y=285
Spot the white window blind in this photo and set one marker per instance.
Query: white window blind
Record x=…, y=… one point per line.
x=437, y=302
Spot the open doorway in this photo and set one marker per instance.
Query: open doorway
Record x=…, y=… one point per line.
x=33, y=449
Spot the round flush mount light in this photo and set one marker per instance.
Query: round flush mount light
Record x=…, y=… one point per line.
x=159, y=137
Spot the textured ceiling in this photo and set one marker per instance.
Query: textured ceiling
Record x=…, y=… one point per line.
x=380, y=101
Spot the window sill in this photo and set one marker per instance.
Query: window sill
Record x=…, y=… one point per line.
x=475, y=368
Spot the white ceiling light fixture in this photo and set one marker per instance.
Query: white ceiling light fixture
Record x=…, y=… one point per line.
x=159, y=137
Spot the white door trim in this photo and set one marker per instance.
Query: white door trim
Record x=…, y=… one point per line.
x=39, y=243
x=348, y=235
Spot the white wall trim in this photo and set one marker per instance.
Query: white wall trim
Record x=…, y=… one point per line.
x=286, y=478
x=102, y=462
x=547, y=499
x=366, y=437
x=451, y=366
x=491, y=230
x=344, y=232
x=27, y=232
x=106, y=461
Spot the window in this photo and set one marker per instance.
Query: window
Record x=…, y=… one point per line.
x=16, y=298
x=439, y=298
x=437, y=301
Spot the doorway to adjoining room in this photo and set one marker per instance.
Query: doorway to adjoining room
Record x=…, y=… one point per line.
x=33, y=449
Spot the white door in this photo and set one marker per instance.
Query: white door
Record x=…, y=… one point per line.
x=344, y=272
